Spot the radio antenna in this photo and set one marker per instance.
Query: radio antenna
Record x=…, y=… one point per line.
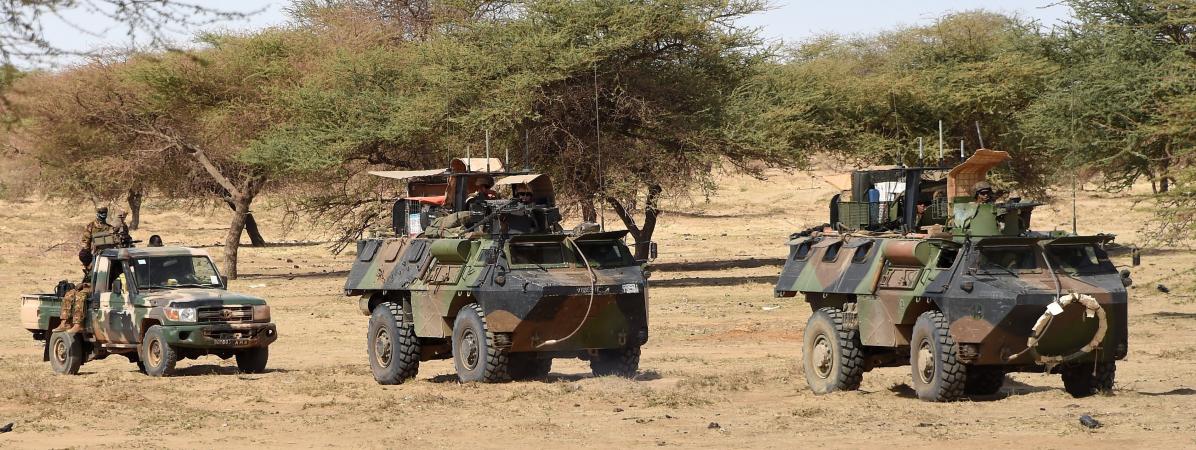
x=961, y=149
x=940, y=142
x=920, y=157
x=598, y=148
x=487, y=150
x=526, y=143
x=979, y=136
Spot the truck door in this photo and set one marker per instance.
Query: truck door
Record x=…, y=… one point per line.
x=115, y=308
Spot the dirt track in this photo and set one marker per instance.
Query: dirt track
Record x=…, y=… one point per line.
x=722, y=351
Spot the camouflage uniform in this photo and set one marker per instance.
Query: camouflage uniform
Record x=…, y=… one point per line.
x=122, y=229
x=95, y=226
x=74, y=302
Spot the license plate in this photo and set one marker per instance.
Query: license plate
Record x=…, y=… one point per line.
x=233, y=341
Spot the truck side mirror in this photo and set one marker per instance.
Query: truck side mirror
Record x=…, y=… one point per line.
x=651, y=251
x=224, y=280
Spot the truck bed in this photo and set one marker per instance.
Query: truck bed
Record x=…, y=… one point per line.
x=39, y=312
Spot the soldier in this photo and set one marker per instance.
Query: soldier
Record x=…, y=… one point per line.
x=524, y=197
x=984, y=193
x=155, y=241
x=100, y=225
x=122, y=230
x=481, y=192
x=74, y=301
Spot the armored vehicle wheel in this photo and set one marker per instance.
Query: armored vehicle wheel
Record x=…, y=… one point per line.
x=1085, y=379
x=474, y=354
x=66, y=353
x=621, y=362
x=157, y=355
x=525, y=366
x=938, y=374
x=984, y=380
x=831, y=355
x=253, y=360
x=392, y=345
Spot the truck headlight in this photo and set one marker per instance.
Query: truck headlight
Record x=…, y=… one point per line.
x=261, y=313
x=180, y=314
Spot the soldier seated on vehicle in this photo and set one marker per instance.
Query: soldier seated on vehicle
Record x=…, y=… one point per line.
x=155, y=241
x=75, y=300
x=98, y=226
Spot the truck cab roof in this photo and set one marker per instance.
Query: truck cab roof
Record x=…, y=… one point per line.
x=149, y=252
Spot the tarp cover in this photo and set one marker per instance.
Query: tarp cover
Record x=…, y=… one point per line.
x=435, y=200
x=405, y=174
x=480, y=165
x=517, y=179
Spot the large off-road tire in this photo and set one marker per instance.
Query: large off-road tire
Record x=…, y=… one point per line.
x=938, y=374
x=157, y=355
x=1085, y=379
x=474, y=354
x=66, y=352
x=832, y=358
x=621, y=362
x=984, y=380
x=253, y=360
x=526, y=366
x=392, y=345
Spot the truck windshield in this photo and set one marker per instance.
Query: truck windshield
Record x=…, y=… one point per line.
x=1007, y=259
x=175, y=271
x=537, y=253
x=1079, y=258
x=606, y=254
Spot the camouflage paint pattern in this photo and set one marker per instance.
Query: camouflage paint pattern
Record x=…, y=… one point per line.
x=117, y=322
x=532, y=304
x=887, y=279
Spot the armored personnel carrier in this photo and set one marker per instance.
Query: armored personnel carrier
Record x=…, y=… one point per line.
x=924, y=266
x=491, y=280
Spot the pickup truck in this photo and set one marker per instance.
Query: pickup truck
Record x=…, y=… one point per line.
x=154, y=306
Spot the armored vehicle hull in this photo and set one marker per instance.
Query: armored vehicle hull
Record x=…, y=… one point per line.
x=963, y=302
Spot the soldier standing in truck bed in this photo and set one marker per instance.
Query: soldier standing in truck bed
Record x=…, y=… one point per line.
x=100, y=225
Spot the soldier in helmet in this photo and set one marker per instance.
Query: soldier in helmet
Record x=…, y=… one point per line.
x=482, y=191
x=984, y=193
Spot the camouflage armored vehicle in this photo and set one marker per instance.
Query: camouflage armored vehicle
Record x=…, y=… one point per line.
x=495, y=284
x=915, y=268
x=154, y=306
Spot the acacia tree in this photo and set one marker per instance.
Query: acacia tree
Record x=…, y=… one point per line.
x=194, y=116
x=623, y=103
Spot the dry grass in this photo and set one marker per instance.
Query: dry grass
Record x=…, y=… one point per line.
x=715, y=355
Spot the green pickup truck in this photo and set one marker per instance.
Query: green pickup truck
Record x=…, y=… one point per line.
x=154, y=306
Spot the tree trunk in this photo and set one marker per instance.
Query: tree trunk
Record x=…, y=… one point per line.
x=641, y=235
x=1164, y=185
x=255, y=236
x=588, y=212
x=134, y=198
x=232, y=240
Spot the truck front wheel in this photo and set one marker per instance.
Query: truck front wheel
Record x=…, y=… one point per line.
x=621, y=362
x=1085, y=379
x=157, y=355
x=253, y=360
x=474, y=354
x=938, y=374
x=66, y=352
x=391, y=344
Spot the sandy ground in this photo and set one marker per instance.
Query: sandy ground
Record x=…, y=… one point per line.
x=720, y=370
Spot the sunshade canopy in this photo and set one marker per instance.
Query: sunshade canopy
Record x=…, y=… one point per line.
x=405, y=174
